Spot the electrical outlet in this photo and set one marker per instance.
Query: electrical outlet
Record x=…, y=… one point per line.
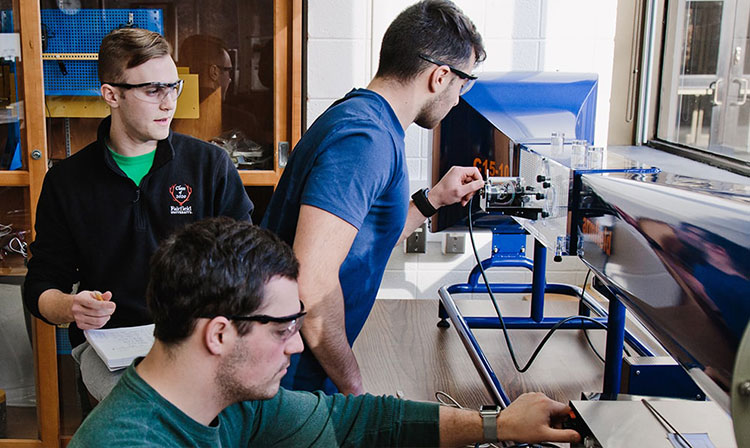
x=416, y=243
x=454, y=243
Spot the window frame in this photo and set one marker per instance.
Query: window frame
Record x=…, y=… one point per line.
x=654, y=61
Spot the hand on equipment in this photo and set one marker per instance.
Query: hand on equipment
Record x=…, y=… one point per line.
x=458, y=185
x=533, y=417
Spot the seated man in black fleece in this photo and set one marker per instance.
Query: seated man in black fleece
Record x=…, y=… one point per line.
x=103, y=211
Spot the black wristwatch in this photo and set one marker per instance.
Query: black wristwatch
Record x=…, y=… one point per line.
x=489, y=414
x=423, y=205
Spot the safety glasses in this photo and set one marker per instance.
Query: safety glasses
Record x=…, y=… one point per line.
x=468, y=79
x=152, y=92
x=284, y=327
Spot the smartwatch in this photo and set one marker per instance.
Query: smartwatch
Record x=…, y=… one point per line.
x=423, y=205
x=489, y=415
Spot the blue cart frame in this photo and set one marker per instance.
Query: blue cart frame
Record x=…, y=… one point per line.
x=512, y=239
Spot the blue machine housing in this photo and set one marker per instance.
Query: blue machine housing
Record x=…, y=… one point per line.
x=528, y=106
x=502, y=112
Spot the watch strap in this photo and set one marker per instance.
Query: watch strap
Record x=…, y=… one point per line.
x=489, y=416
x=423, y=205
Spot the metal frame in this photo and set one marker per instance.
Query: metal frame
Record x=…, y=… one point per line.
x=614, y=319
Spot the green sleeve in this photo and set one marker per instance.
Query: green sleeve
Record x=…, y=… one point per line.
x=302, y=418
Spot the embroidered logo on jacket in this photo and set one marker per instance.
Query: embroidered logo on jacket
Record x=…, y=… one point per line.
x=181, y=194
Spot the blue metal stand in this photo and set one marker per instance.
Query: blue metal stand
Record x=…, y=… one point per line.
x=613, y=351
x=508, y=250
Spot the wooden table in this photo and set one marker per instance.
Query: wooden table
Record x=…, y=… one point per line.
x=401, y=349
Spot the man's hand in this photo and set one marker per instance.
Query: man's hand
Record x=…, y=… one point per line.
x=531, y=418
x=535, y=418
x=92, y=309
x=458, y=185
x=88, y=309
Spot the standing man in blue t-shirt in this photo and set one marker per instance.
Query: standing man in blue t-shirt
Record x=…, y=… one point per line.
x=343, y=200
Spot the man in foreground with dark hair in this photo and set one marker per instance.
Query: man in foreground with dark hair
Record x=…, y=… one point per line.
x=103, y=211
x=224, y=298
x=342, y=202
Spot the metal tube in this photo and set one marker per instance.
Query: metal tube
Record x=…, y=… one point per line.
x=475, y=352
x=498, y=288
x=613, y=352
x=499, y=263
x=527, y=323
x=538, y=281
x=647, y=71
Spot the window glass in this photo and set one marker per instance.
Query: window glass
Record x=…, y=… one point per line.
x=703, y=102
x=223, y=50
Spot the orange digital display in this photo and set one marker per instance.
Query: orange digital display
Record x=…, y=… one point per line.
x=491, y=168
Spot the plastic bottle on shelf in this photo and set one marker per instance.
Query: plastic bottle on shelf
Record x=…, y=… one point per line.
x=556, y=143
x=595, y=158
x=578, y=155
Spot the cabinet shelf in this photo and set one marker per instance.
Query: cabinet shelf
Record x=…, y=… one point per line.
x=260, y=178
x=16, y=178
x=12, y=274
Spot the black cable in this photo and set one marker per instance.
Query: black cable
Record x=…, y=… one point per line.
x=534, y=445
x=585, y=331
x=500, y=315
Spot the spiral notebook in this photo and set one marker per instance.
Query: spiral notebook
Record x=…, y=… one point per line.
x=118, y=347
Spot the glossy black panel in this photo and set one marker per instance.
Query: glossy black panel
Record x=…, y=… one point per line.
x=677, y=251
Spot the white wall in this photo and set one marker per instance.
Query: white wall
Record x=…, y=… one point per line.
x=538, y=35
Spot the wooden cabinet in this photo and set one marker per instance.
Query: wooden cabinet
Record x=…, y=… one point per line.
x=36, y=426
x=262, y=104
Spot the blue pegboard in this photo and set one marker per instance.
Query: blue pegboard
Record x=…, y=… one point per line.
x=82, y=32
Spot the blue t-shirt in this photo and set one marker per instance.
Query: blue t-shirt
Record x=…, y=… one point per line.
x=350, y=163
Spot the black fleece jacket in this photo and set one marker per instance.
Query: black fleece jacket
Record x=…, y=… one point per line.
x=96, y=226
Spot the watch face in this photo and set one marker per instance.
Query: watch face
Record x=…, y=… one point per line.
x=69, y=6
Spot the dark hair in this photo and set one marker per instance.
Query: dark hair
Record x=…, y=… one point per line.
x=215, y=267
x=126, y=48
x=436, y=28
x=200, y=51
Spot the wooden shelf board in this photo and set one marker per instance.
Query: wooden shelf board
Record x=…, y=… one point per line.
x=19, y=271
x=259, y=178
x=16, y=178
x=19, y=443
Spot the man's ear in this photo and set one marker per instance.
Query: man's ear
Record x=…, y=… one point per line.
x=110, y=96
x=219, y=335
x=214, y=72
x=438, y=79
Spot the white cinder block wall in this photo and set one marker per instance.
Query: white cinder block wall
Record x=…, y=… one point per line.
x=343, y=45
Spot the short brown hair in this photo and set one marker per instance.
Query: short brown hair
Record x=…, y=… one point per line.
x=126, y=48
x=435, y=28
x=214, y=267
x=200, y=51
